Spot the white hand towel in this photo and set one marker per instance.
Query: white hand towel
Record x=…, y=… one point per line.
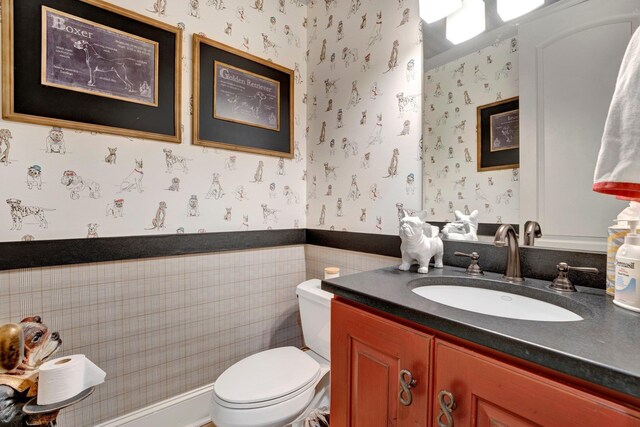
x=618, y=168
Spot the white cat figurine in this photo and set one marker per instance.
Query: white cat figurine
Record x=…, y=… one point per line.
x=418, y=248
x=465, y=227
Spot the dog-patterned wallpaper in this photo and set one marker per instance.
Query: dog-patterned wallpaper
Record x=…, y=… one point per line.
x=61, y=183
x=451, y=96
x=364, y=110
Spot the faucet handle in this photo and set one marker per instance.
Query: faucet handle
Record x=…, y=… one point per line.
x=474, y=268
x=562, y=282
x=564, y=265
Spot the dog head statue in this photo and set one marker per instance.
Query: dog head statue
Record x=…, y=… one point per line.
x=19, y=385
x=39, y=344
x=465, y=227
x=411, y=228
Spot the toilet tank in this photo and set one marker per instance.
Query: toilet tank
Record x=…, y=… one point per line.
x=315, y=312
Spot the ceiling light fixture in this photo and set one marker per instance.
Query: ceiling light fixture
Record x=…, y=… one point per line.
x=511, y=9
x=435, y=10
x=467, y=22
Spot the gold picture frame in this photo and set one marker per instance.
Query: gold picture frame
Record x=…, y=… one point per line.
x=9, y=111
x=490, y=117
x=285, y=133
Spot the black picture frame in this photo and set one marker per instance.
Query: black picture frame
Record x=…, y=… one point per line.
x=218, y=132
x=26, y=99
x=498, y=130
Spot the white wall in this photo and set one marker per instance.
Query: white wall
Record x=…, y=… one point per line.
x=86, y=152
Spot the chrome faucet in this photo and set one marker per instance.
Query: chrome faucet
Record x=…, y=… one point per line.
x=532, y=231
x=506, y=236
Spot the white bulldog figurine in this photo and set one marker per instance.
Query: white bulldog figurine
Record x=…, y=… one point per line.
x=465, y=227
x=418, y=247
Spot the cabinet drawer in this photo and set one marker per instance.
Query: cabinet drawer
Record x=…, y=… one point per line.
x=491, y=393
x=368, y=354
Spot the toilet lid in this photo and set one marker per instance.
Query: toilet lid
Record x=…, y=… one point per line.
x=267, y=376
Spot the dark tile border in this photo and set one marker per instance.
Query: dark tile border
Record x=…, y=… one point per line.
x=537, y=263
x=45, y=253
x=378, y=244
x=484, y=228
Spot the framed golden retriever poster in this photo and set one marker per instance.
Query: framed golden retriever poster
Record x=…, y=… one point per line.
x=244, y=97
x=240, y=101
x=93, y=66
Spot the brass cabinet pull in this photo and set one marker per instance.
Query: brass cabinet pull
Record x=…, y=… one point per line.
x=407, y=382
x=446, y=408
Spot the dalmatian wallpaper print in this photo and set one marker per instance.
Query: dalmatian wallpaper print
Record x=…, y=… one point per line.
x=62, y=184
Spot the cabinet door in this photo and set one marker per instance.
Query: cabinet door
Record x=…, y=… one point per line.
x=491, y=393
x=368, y=354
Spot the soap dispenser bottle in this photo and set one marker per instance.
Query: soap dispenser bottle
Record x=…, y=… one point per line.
x=615, y=239
x=627, y=293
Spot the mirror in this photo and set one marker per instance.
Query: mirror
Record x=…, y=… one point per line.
x=539, y=87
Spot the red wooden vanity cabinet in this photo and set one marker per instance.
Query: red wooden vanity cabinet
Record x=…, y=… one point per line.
x=455, y=386
x=367, y=354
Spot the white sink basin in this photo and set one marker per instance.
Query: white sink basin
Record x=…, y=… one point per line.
x=496, y=303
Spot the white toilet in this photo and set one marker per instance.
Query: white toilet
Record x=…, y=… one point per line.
x=278, y=387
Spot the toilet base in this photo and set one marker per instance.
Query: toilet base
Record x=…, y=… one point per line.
x=321, y=399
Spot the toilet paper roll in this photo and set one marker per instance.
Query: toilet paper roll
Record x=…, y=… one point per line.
x=64, y=377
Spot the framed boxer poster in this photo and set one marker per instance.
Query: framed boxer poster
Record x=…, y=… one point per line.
x=498, y=131
x=119, y=65
x=241, y=102
x=92, y=66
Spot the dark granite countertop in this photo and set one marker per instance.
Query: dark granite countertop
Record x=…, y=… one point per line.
x=603, y=349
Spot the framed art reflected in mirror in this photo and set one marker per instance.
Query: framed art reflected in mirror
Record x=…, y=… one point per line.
x=92, y=66
x=498, y=126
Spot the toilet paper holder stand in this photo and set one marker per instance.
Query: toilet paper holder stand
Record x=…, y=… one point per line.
x=32, y=408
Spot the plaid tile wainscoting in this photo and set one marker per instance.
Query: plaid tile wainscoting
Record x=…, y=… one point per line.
x=163, y=326
x=349, y=262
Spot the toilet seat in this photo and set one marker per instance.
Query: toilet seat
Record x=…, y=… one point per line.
x=267, y=378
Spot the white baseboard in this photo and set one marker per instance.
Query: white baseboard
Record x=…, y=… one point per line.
x=190, y=409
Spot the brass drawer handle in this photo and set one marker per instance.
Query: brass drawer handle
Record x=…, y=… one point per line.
x=407, y=382
x=446, y=408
